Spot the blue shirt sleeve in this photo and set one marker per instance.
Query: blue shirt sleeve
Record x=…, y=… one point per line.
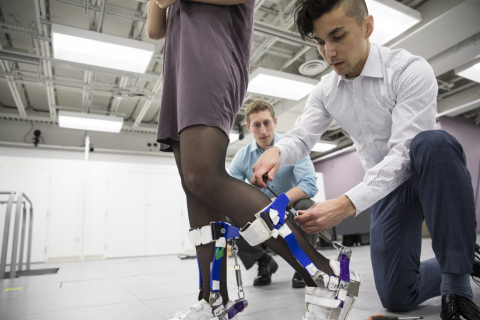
x=305, y=174
x=237, y=165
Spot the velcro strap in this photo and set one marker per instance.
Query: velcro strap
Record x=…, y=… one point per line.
x=274, y=216
x=321, y=301
x=285, y=231
x=311, y=269
x=333, y=283
x=200, y=236
x=342, y=294
x=256, y=232
x=221, y=242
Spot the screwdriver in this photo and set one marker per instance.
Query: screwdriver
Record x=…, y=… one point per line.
x=382, y=317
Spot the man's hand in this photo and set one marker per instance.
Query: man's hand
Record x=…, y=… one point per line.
x=164, y=4
x=269, y=163
x=325, y=215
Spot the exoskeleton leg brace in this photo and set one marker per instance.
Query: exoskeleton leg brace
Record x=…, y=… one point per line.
x=337, y=291
x=220, y=232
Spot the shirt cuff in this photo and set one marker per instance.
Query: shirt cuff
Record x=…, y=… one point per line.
x=283, y=153
x=361, y=197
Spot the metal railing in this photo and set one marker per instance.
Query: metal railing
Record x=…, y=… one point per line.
x=21, y=206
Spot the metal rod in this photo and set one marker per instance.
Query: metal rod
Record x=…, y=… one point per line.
x=102, y=16
x=6, y=230
x=30, y=231
x=16, y=226
x=22, y=241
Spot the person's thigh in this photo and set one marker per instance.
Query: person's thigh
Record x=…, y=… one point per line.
x=395, y=234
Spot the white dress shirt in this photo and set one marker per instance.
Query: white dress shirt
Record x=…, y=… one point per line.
x=383, y=109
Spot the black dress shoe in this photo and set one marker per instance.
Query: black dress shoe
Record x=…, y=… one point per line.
x=265, y=270
x=455, y=307
x=297, y=281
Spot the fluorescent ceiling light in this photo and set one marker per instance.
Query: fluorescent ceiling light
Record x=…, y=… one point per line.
x=470, y=71
x=99, y=49
x=233, y=137
x=391, y=19
x=280, y=84
x=323, y=146
x=90, y=122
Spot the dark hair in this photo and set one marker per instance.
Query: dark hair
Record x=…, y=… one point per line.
x=307, y=11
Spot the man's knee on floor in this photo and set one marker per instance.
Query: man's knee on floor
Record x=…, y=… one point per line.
x=393, y=300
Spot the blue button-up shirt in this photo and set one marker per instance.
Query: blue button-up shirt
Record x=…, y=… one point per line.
x=301, y=174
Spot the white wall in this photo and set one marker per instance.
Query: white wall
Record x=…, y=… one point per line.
x=110, y=206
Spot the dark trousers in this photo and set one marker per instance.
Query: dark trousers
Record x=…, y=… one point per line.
x=250, y=255
x=439, y=191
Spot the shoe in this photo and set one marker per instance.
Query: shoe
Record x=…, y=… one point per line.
x=476, y=264
x=202, y=310
x=297, y=281
x=456, y=307
x=322, y=302
x=265, y=271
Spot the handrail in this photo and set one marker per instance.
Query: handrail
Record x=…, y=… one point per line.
x=21, y=207
x=6, y=230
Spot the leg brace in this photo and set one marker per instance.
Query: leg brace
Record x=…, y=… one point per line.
x=220, y=232
x=270, y=222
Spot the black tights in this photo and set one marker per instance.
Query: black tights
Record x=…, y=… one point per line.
x=212, y=194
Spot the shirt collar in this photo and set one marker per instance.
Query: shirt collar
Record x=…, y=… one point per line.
x=254, y=146
x=372, y=67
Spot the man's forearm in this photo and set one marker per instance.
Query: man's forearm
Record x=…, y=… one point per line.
x=295, y=194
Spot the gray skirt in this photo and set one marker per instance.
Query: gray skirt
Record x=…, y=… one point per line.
x=206, y=67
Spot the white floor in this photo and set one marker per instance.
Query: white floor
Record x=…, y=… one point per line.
x=155, y=288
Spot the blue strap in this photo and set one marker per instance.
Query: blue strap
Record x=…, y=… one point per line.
x=280, y=204
x=200, y=275
x=231, y=232
x=297, y=252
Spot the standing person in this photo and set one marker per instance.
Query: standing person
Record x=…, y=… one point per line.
x=298, y=182
x=206, y=70
x=387, y=101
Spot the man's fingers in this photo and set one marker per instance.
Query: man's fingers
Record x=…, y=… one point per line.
x=272, y=173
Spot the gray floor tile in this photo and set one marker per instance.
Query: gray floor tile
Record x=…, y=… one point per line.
x=158, y=287
x=125, y=311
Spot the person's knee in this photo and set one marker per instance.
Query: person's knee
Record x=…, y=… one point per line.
x=434, y=140
x=303, y=204
x=194, y=182
x=394, y=300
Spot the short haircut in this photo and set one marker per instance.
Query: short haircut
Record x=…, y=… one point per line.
x=257, y=106
x=307, y=11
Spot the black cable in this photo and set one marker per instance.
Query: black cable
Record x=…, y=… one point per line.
x=31, y=128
